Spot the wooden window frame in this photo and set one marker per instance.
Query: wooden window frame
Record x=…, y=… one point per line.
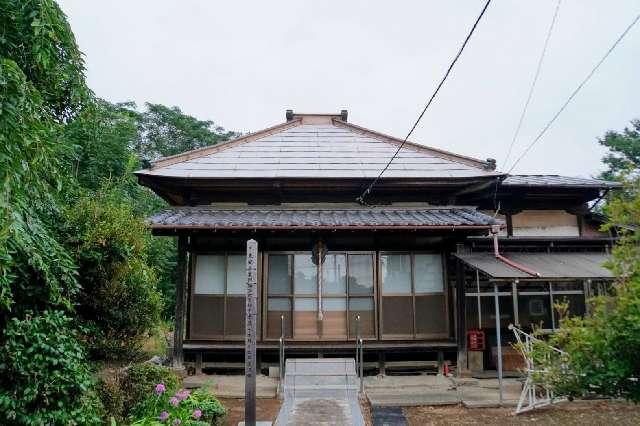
x=292, y=296
x=414, y=335
x=193, y=335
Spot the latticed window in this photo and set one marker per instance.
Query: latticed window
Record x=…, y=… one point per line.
x=218, y=300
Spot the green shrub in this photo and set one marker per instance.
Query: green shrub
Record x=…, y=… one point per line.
x=119, y=302
x=138, y=381
x=112, y=398
x=44, y=378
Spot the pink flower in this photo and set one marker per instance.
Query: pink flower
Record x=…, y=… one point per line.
x=183, y=394
x=160, y=388
x=163, y=416
x=174, y=401
x=197, y=414
x=176, y=422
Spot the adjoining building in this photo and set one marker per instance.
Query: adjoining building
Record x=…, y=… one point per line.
x=416, y=264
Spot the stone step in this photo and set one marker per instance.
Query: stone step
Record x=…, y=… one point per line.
x=412, y=399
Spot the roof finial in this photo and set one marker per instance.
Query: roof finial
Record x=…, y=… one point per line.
x=289, y=114
x=344, y=114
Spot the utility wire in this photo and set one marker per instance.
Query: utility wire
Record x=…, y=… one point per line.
x=533, y=84
x=575, y=92
x=367, y=191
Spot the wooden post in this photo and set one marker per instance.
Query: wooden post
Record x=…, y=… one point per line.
x=250, y=340
x=461, y=329
x=181, y=284
x=382, y=371
x=499, y=339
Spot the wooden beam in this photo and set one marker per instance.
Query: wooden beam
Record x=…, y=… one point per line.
x=181, y=284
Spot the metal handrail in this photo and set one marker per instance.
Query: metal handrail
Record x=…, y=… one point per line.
x=281, y=351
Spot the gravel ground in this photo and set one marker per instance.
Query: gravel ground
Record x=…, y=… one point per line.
x=566, y=413
x=266, y=410
x=580, y=413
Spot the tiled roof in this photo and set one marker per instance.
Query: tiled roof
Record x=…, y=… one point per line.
x=333, y=149
x=556, y=180
x=287, y=218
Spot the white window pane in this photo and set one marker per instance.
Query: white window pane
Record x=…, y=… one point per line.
x=278, y=280
x=428, y=273
x=396, y=273
x=334, y=274
x=305, y=279
x=237, y=274
x=209, y=274
x=360, y=274
x=334, y=304
x=278, y=304
x=306, y=304
x=361, y=304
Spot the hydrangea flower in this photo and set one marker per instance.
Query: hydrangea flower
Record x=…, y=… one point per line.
x=163, y=416
x=183, y=394
x=197, y=414
x=174, y=401
x=160, y=389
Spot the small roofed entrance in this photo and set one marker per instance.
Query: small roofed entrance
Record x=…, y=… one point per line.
x=561, y=288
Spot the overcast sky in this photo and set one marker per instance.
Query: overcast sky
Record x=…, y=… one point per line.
x=241, y=64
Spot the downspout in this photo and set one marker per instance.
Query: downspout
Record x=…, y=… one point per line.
x=496, y=252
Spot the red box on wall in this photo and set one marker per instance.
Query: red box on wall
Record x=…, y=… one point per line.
x=475, y=340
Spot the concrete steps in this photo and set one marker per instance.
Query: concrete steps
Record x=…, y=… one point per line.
x=320, y=390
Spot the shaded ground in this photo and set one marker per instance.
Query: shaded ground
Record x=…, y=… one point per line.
x=576, y=413
x=266, y=410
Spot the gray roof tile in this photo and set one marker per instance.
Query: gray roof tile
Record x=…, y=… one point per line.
x=287, y=218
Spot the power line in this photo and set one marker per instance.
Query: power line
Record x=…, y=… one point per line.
x=575, y=92
x=533, y=84
x=367, y=191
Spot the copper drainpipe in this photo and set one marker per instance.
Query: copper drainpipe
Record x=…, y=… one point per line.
x=496, y=252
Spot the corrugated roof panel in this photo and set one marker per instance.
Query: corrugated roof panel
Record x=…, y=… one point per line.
x=548, y=265
x=556, y=180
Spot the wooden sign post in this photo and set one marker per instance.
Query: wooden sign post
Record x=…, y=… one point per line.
x=250, y=340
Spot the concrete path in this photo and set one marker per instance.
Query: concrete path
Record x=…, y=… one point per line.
x=320, y=391
x=406, y=391
x=232, y=386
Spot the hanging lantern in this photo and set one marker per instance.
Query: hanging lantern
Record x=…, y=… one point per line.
x=318, y=254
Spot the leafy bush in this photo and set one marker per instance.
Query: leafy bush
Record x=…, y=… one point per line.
x=111, y=396
x=602, y=348
x=44, y=378
x=137, y=381
x=119, y=301
x=165, y=405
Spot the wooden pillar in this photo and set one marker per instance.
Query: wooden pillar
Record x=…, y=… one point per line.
x=198, y=365
x=181, y=284
x=461, y=326
x=509, y=217
x=382, y=370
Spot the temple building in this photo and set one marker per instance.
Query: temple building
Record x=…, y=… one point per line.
x=415, y=268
